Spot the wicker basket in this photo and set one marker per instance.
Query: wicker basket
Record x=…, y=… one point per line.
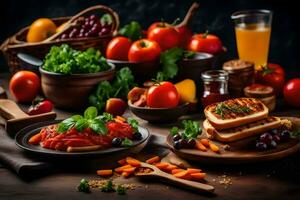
x=17, y=43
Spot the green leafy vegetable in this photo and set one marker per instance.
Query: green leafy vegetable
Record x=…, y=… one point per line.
x=174, y=130
x=106, y=19
x=133, y=123
x=121, y=190
x=108, y=187
x=118, y=88
x=133, y=30
x=106, y=117
x=188, y=54
x=127, y=143
x=89, y=120
x=65, y=60
x=191, y=129
x=296, y=133
x=83, y=186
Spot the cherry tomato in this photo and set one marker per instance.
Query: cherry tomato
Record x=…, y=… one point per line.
x=162, y=95
x=117, y=48
x=272, y=75
x=185, y=35
x=40, y=106
x=291, y=92
x=24, y=86
x=144, y=50
x=205, y=43
x=165, y=35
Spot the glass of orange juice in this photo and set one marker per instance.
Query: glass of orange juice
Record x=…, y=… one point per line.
x=253, y=31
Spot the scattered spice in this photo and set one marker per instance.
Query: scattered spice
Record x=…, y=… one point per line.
x=226, y=147
x=225, y=180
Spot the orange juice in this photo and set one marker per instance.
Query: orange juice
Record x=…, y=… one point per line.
x=253, y=43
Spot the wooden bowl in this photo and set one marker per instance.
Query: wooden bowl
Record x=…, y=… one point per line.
x=142, y=71
x=71, y=91
x=159, y=115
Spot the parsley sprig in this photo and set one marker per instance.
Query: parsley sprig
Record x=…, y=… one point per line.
x=191, y=129
x=222, y=108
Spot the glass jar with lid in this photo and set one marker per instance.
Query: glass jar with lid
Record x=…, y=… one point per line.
x=215, y=87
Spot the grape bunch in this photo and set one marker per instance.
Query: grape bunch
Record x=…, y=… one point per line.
x=91, y=26
x=270, y=139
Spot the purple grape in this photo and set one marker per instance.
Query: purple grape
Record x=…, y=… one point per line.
x=176, y=137
x=104, y=31
x=284, y=135
x=88, y=34
x=64, y=36
x=183, y=143
x=177, y=145
x=274, y=131
x=93, y=17
x=276, y=138
x=81, y=35
x=87, y=24
x=191, y=143
x=86, y=19
x=261, y=146
x=266, y=138
x=272, y=144
x=92, y=22
x=82, y=30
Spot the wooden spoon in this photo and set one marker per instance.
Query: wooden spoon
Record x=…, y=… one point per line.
x=176, y=181
x=16, y=119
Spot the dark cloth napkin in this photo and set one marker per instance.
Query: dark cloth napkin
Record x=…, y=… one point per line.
x=14, y=158
x=30, y=166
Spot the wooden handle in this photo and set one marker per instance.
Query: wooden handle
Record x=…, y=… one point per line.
x=10, y=110
x=189, y=15
x=72, y=21
x=187, y=184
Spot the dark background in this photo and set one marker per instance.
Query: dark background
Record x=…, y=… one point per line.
x=213, y=15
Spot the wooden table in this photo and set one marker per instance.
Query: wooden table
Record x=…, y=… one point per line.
x=273, y=180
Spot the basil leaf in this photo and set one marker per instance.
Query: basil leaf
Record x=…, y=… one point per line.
x=65, y=125
x=81, y=124
x=77, y=117
x=91, y=112
x=133, y=123
x=127, y=143
x=98, y=126
x=106, y=117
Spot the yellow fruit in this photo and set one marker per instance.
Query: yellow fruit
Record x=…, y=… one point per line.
x=40, y=30
x=186, y=90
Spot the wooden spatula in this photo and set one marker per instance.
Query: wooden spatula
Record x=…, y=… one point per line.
x=196, y=186
x=15, y=119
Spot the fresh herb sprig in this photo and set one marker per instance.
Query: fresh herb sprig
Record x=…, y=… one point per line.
x=83, y=186
x=108, y=187
x=133, y=31
x=222, y=108
x=89, y=120
x=191, y=129
x=118, y=88
x=133, y=123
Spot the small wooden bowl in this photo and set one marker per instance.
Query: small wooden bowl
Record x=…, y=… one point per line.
x=159, y=115
x=142, y=71
x=71, y=91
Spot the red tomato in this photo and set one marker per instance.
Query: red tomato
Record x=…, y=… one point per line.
x=24, y=86
x=39, y=107
x=144, y=50
x=162, y=95
x=157, y=24
x=117, y=48
x=205, y=43
x=291, y=92
x=185, y=35
x=273, y=75
x=165, y=35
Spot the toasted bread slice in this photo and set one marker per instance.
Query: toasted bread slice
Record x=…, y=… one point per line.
x=235, y=112
x=241, y=132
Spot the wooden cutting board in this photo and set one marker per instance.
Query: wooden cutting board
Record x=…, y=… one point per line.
x=241, y=151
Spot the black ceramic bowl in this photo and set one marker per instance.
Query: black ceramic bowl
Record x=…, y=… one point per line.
x=159, y=115
x=142, y=71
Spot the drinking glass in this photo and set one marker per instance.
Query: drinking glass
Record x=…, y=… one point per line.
x=253, y=31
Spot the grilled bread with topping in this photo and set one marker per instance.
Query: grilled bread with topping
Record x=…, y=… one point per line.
x=235, y=112
x=241, y=132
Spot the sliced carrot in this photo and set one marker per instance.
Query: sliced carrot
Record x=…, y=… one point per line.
x=153, y=160
x=126, y=174
x=198, y=176
x=214, y=147
x=105, y=172
x=193, y=170
x=170, y=167
x=175, y=171
x=133, y=162
x=35, y=139
x=119, y=118
x=122, y=161
x=183, y=174
x=205, y=142
x=200, y=146
x=162, y=165
x=129, y=170
x=120, y=169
